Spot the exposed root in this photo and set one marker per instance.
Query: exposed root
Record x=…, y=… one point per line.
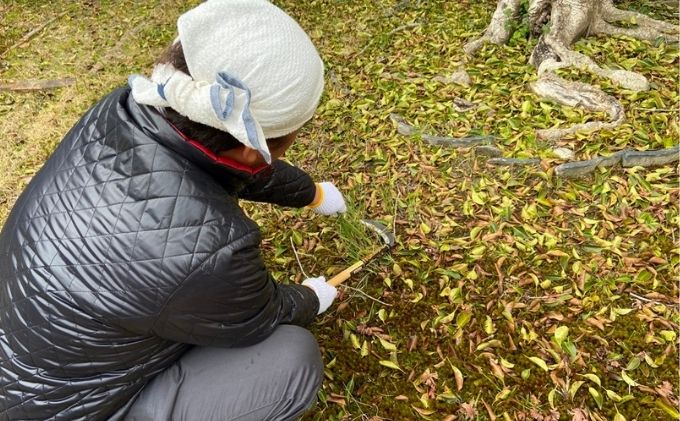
x=643, y=32
x=573, y=94
x=570, y=20
x=460, y=77
x=453, y=142
x=513, y=162
x=490, y=151
x=499, y=30
x=625, y=158
x=462, y=105
x=651, y=29
x=569, y=58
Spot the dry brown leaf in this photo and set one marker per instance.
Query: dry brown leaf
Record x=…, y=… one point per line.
x=595, y=322
x=665, y=390
x=492, y=415
x=468, y=411
x=337, y=399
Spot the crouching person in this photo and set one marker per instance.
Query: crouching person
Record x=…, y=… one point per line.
x=131, y=282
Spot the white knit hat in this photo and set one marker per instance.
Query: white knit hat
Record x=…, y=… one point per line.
x=254, y=72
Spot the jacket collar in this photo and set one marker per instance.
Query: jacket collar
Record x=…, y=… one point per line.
x=232, y=175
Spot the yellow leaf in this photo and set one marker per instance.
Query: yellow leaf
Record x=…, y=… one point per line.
x=539, y=362
x=389, y=364
x=628, y=380
x=423, y=412
x=387, y=345
x=593, y=378
x=561, y=334
x=458, y=376
x=364, y=349
x=507, y=364
x=396, y=269
x=478, y=198
x=355, y=341
x=502, y=394
x=668, y=409
x=551, y=398
x=463, y=318
x=619, y=417
x=574, y=388
x=489, y=327
x=613, y=395
x=596, y=395
x=478, y=251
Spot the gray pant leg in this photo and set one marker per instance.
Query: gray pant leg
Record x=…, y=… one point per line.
x=276, y=379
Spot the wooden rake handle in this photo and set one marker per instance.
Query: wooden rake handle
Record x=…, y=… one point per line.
x=356, y=267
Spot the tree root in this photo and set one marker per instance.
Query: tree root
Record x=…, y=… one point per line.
x=499, y=30
x=460, y=77
x=573, y=94
x=490, y=151
x=642, y=32
x=570, y=20
x=647, y=29
x=514, y=161
x=569, y=58
x=453, y=142
x=626, y=158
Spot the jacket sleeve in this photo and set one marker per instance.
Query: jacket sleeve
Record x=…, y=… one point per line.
x=231, y=300
x=287, y=186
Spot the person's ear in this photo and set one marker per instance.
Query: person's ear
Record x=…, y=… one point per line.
x=243, y=155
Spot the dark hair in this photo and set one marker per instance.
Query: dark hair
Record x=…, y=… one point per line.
x=212, y=138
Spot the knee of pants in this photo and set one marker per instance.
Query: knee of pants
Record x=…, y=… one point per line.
x=292, y=372
x=298, y=351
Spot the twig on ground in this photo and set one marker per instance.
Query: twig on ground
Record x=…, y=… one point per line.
x=31, y=34
x=641, y=298
x=657, y=302
x=37, y=85
x=365, y=295
x=297, y=257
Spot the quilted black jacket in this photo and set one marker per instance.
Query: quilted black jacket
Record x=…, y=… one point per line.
x=124, y=250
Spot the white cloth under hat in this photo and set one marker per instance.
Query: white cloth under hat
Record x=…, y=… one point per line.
x=254, y=72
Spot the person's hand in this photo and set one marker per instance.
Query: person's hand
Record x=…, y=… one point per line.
x=328, y=200
x=324, y=291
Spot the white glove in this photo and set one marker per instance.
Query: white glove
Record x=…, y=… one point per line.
x=331, y=201
x=324, y=291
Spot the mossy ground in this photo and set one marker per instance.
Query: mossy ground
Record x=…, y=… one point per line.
x=467, y=316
